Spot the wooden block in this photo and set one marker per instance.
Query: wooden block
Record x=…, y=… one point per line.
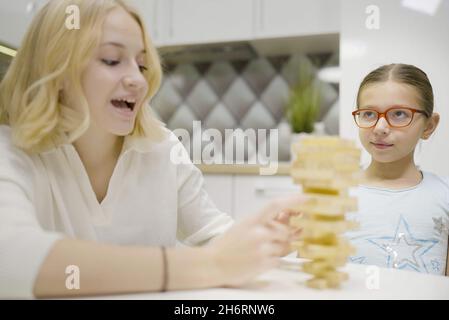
x=326, y=208
x=317, y=283
x=336, y=227
x=328, y=186
x=316, y=251
x=326, y=167
x=331, y=280
x=321, y=268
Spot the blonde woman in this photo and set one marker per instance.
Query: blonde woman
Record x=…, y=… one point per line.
x=86, y=178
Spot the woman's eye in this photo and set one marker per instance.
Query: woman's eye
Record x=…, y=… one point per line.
x=110, y=62
x=116, y=62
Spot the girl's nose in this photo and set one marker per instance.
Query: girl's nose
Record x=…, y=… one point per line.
x=382, y=126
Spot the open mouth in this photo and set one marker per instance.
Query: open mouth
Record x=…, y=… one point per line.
x=123, y=104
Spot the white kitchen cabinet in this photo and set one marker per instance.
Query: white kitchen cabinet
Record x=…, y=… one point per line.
x=178, y=22
x=240, y=195
x=15, y=17
x=185, y=22
x=219, y=188
x=286, y=18
x=251, y=193
x=201, y=21
x=156, y=16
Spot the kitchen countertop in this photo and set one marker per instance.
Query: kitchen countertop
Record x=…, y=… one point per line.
x=287, y=283
x=249, y=169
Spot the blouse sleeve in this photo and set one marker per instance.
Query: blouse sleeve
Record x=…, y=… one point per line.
x=199, y=220
x=24, y=245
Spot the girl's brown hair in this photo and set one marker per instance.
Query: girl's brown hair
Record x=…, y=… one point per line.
x=406, y=74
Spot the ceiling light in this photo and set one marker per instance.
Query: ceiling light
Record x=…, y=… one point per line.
x=330, y=74
x=429, y=7
x=8, y=51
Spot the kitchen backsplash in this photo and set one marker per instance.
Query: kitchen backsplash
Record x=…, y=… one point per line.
x=242, y=94
x=4, y=63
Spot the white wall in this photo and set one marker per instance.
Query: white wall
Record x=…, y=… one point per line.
x=15, y=16
x=404, y=36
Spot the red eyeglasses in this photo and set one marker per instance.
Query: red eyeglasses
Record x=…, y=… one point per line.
x=397, y=116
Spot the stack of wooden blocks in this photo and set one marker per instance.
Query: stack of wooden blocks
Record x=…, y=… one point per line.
x=326, y=167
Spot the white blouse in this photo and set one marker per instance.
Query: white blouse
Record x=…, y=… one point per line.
x=151, y=200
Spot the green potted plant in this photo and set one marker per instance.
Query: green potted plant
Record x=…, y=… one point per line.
x=302, y=108
x=304, y=104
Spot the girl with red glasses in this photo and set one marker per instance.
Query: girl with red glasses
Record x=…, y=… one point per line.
x=403, y=210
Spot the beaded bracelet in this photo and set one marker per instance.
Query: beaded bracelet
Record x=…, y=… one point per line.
x=165, y=270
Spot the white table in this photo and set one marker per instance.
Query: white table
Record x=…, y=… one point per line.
x=287, y=283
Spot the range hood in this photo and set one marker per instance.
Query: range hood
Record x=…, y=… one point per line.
x=246, y=50
x=207, y=52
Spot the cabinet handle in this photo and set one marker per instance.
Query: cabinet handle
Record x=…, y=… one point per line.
x=257, y=16
x=156, y=20
x=264, y=191
x=262, y=15
x=171, y=19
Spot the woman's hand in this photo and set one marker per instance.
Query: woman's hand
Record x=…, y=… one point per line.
x=283, y=217
x=255, y=243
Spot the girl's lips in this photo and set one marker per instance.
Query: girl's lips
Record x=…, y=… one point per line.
x=125, y=113
x=381, y=145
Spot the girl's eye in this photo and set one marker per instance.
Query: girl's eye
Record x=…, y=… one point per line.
x=110, y=62
x=399, y=114
x=367, y=114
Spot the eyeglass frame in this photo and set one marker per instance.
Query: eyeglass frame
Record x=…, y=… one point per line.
x=384, y=115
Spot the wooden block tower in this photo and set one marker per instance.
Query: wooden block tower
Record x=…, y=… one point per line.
x=326, y=167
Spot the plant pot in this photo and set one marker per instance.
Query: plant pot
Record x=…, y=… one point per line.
x=319, y=130
x=294, y=139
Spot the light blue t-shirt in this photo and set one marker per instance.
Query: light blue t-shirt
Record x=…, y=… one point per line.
x=403, y=229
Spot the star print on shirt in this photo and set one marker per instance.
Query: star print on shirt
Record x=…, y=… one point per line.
x=360, y=260
x=439, y=225
x=435, y=265
x=403, y=249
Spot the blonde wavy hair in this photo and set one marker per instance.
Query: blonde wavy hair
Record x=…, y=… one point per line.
x=51, y=55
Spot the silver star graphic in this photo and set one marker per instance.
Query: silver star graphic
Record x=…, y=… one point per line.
x=439, y=225
x=397, y=242
x=403, y=248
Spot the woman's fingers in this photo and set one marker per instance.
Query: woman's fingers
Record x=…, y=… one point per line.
x=282, y=238
x=296, y=232
x=287, y=205
x=280, y=231
x=255, y=244
x=285, y=215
